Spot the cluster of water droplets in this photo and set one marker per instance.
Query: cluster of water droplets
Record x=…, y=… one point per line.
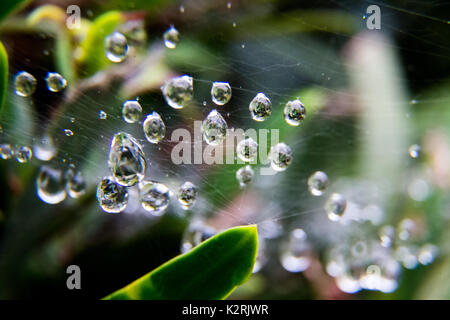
x=53, y=184
x=25, y=83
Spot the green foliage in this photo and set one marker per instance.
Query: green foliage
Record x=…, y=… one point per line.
x=3, y=74
x=212, y=270
x=93, y=56
x=8, y=6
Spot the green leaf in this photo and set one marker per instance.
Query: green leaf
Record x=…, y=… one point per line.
x=212, y=270
x=3, y=74
x=93, y=56
x=8, y=6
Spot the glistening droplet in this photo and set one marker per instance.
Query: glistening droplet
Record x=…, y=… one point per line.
x=126, y=159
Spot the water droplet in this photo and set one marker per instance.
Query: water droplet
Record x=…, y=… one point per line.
x=181, y=9
x=317, y=183
x=50, y=185
x=187, y=195
x=102, y=115
x=234, y=24
x=214, y=128
x=126, y=159
x=414, y=151
x=72, y=120
x=407, y=256
x=112, y=197
x=154, y=197
x=335, y=206
x=196, y=233
x=294, y=112
x=427, y=253
x=154, y=128
x=247, y=150
x=23, y=154
x=68, y=132
x=387, y=235
x=45, y=149
x=171, y=38
x=406, y=228
x=131, y=111
x=243, y=46
x=229, y=5
x=116, y=47
x=295, y=253
x=280, y=156
x=260, y=107
x=221, y=93
x=134, y=31
x=55, y=82
x=5, y=151
x=75, y=183
x=178, y=91
x=25, y=84
x=245, y=176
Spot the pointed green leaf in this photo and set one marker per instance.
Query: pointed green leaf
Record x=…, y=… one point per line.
x=211, y=270
x=3, y=74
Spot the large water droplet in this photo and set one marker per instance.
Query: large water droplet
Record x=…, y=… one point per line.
x=55, y=82
x=260, y=107
x=335, y=206
x=171, y=38
x=50, y=185
x=214, y=128
x=23, y=154
x=178, y=91
x=25, y=84
x=247, y=150
x=196, y=233
x=75, y=183
x=295, y=253
x=280, y=156
x=294, y=112
x=221, y=93
x=154, y=128
x=6, y=151
x=317, y=183
x=112, y=197
x=68, y=132
x=187, y=195
x=126, y=159
x=116, y=47
x=131, y=111
x=154, y=197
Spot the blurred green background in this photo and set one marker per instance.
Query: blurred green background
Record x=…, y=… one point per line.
x=369, y=95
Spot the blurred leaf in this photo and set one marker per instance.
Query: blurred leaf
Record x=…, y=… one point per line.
x=3, y=74
x=53, y=18
x=8, y=6
x=210, y=271
x=93, y=51
x=46, y=12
